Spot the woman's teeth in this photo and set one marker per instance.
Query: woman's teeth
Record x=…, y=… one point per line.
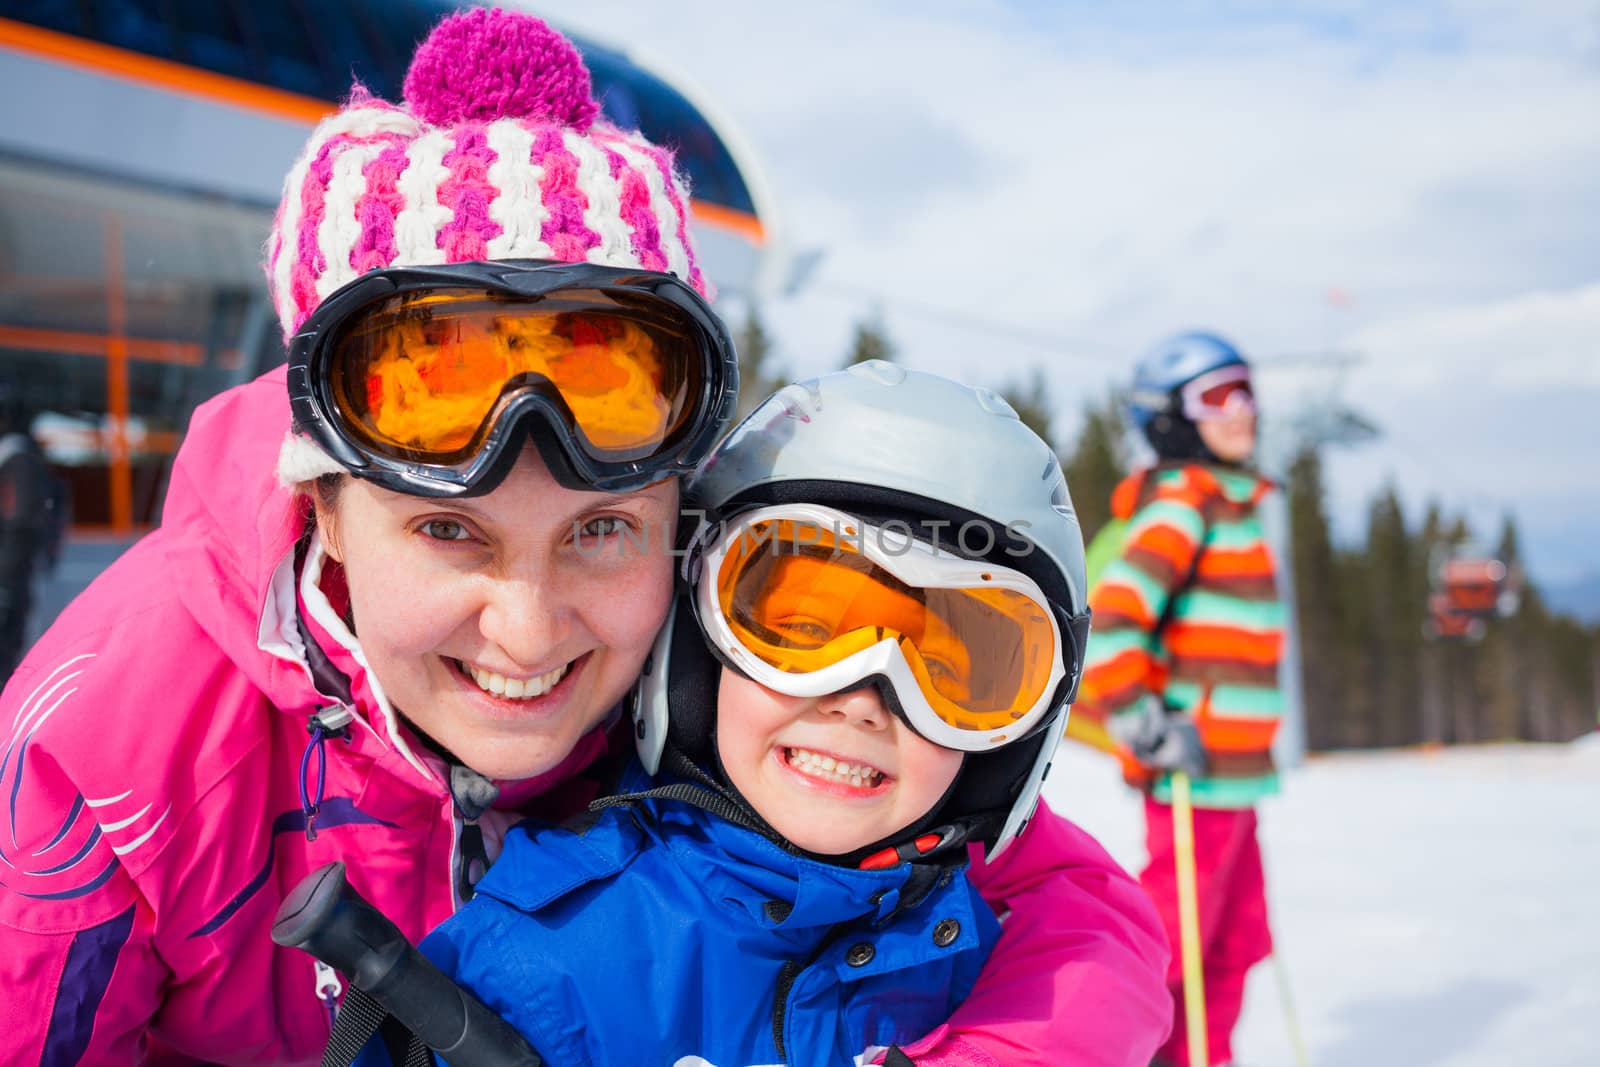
x=516, y=688
x=817, y=765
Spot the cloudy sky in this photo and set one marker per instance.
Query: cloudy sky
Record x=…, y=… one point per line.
x=1017, y=184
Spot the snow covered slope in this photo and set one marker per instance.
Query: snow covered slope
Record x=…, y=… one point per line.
x=1433, y=909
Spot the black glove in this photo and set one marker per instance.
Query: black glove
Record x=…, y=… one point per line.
x=1161, y=739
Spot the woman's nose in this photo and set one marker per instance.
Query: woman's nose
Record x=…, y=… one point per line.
x=527, y=617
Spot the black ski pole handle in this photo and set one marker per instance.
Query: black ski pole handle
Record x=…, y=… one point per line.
x=326, y=917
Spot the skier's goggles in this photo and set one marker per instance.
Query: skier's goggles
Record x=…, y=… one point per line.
x=420, y=378
x=1219, y=394
x=809, y=601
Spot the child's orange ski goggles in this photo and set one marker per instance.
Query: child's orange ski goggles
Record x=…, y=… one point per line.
x=808, y=601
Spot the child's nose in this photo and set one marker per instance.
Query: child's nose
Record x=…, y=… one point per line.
x=863, y=707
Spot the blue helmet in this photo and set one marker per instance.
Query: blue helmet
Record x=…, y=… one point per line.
x=1155, y=403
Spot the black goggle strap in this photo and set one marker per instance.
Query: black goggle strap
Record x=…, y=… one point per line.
x=1075, y=638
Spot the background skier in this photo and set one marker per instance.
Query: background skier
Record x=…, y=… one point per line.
x=1182, y=665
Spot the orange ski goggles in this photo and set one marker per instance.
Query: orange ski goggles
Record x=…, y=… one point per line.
x=421, y=378
x=808, y=601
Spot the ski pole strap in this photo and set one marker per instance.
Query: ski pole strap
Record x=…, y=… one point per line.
x=359, y=1018
x=326, y=917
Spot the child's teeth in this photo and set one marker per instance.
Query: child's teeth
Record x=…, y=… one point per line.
x=516, y=688
x=819, y=766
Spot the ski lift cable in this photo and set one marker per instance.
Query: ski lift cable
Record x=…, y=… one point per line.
x=1058, y=345
x=1471, y=499
x=1340, y=362
x=1338, y=358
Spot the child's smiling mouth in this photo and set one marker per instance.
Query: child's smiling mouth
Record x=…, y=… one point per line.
x=832, y=770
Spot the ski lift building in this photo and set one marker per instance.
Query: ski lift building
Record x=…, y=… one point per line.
x=140, y=163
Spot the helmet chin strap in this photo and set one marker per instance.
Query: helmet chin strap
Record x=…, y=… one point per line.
x=938, y=840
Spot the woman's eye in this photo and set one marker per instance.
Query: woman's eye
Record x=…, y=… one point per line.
x=603, y=526
x=445, y=530
x=605, y=534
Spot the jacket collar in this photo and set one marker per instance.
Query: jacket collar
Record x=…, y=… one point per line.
x=1238, y=485
x=776, y=889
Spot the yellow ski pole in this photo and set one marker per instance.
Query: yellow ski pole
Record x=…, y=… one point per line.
x=1289, y=1013
x=1194, y=989
x=1086, y=731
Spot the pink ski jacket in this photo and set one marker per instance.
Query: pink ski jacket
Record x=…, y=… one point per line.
x=152, y=747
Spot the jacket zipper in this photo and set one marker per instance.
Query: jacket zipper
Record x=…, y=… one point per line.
x=787, y=975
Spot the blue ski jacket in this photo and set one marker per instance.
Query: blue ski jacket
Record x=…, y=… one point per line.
x=662, y=934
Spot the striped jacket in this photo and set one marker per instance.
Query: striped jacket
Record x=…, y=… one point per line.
x=1189, y=610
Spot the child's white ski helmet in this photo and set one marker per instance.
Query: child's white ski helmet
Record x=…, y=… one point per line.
x=885, y=443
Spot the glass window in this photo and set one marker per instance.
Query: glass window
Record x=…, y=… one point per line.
x=63, y=15
x=289, y=58
x=208, y=34
x=351, y=52
x=110, y=282
x=396, y=29
x=52, y=256
x=139, y=25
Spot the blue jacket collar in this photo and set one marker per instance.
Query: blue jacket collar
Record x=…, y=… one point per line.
x=777, y=889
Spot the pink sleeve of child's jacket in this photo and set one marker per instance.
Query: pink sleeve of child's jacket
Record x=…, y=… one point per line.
x=1078, y=978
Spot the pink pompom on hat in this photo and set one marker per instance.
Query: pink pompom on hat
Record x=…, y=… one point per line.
x=499, y=152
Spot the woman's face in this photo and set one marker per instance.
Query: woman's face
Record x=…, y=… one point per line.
x=505, y=626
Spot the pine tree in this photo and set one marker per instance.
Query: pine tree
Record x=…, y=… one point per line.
x=1031, y=401
x=1371, y=678
x=759, y=376
x=1536, y=670
x=1097, y=462
x=1317, y=611
x=1461, y=697
x=1355, y=648
x=871, y=341
x=1506, y=662
x=1436, y=723
x=1509, y=551
x=1395, y=622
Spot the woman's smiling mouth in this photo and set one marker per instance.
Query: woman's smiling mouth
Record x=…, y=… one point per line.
x=498, y=685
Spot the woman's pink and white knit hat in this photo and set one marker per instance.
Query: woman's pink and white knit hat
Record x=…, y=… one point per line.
x=498, y=153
